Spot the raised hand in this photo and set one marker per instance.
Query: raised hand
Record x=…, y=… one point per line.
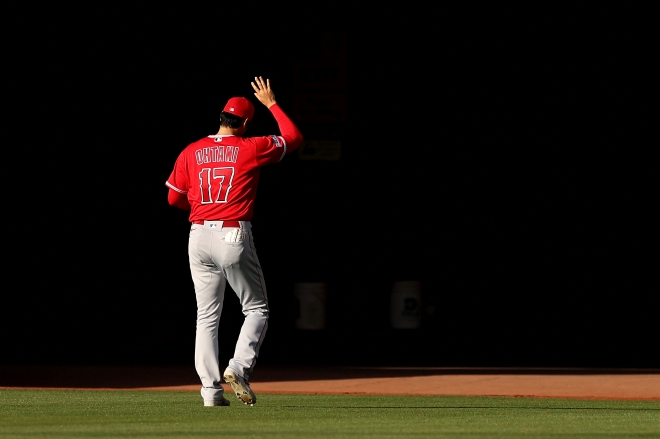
x=263, y=91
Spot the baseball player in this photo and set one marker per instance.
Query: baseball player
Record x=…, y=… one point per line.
x=216, y=178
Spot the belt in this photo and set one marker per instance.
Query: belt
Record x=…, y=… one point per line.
x=224, y=223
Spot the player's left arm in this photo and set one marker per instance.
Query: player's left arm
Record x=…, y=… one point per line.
x=289, y=131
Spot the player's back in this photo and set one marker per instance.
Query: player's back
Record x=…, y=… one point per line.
x=223, y=174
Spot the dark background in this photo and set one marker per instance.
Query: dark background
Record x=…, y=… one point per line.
x=499, y=162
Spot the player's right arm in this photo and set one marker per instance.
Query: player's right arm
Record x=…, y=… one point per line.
x=289, y=131
x=177, y=183
x=177, y=199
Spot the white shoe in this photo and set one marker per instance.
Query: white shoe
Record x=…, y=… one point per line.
x=216, y=402
x=240, y=386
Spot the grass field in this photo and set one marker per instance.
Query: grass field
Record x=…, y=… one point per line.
x=166, y=414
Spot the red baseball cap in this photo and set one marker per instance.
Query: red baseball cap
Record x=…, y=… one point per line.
x=240, y=107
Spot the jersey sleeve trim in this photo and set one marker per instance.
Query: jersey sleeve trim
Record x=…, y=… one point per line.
x=279, y=142
x=169, y=185
x=283, y=147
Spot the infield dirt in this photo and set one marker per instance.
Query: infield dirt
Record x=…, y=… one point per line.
x=614, y=384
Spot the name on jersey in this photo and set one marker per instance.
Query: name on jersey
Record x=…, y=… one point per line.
x=217, y=154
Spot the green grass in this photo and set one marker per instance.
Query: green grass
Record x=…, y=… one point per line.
x=164, y=414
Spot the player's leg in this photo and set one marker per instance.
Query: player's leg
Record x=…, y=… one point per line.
x=209, y=282
x=247, y=280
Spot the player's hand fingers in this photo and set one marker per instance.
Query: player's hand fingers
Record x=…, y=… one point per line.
x=263, y=91
x=262, y=84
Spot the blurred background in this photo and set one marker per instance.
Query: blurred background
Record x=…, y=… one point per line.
x=471, y=194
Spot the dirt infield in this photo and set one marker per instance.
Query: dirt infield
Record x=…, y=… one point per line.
x=616, y=384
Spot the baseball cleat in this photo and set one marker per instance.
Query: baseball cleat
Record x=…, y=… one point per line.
x=240, y=386
x=224, y=402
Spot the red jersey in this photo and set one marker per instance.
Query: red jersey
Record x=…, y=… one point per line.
x=220, y=173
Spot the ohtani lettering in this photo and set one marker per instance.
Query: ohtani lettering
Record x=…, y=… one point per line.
x=214, y=154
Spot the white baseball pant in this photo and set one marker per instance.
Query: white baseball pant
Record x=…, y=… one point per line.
x=219, y=255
